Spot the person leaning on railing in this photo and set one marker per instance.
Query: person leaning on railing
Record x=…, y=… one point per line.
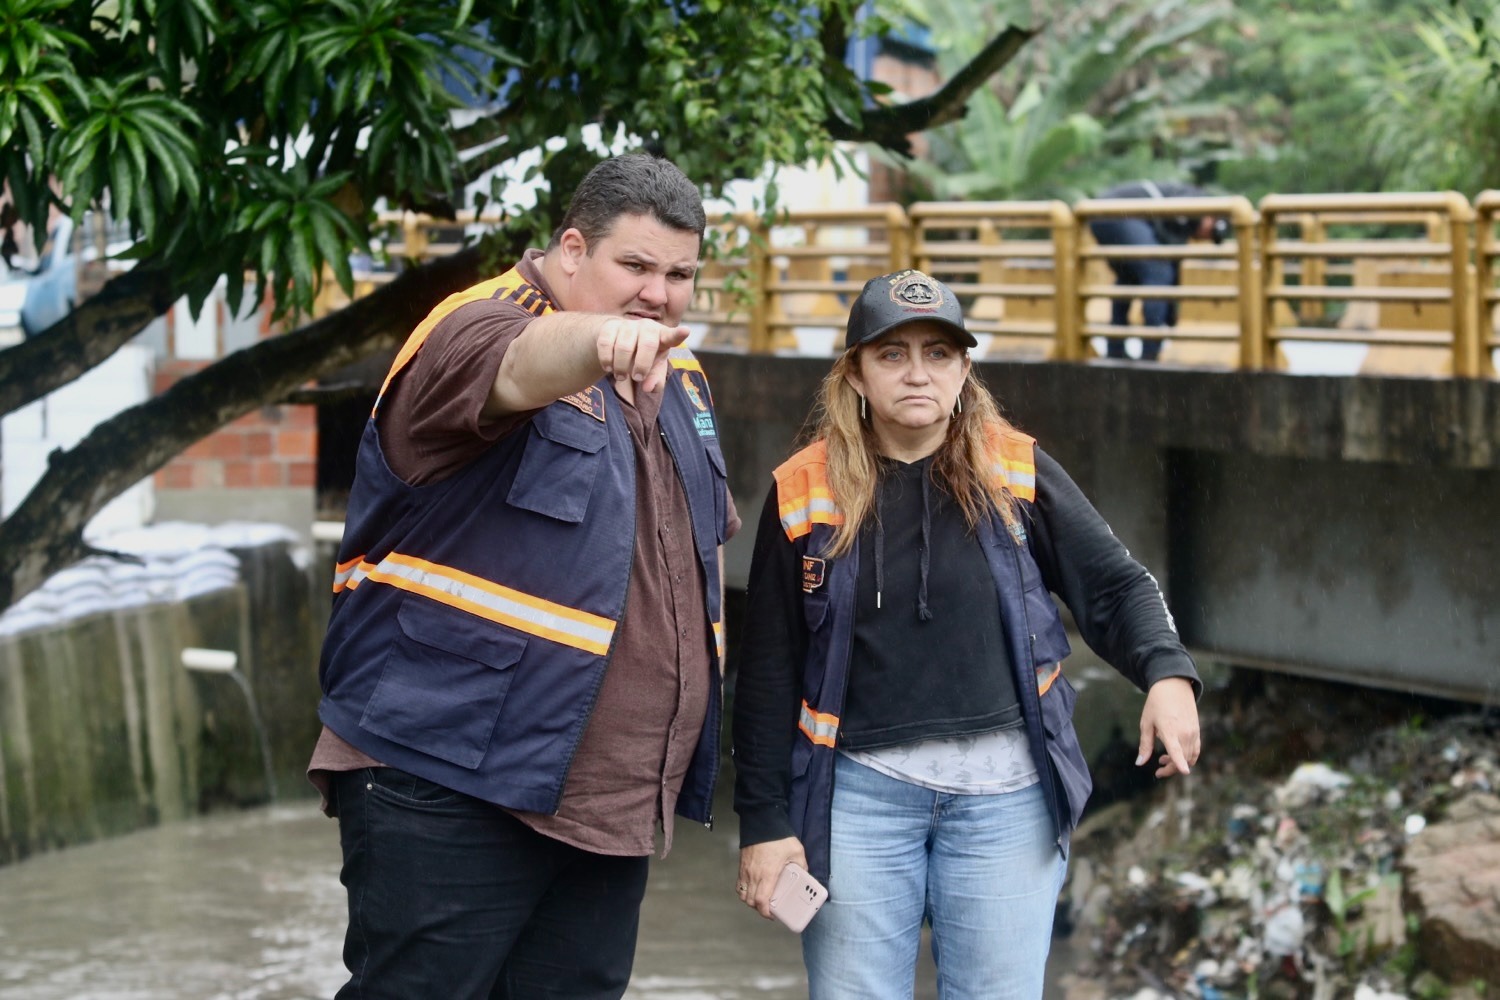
x=1169, y=230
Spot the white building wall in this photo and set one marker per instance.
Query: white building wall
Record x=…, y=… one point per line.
x=62, y=418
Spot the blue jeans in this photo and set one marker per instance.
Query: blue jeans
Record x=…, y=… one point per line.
x=1137, y=271
x=453, y=897
x=984, y=870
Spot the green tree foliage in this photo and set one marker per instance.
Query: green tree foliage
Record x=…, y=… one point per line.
x=1359, y=95
x=1105, y=92
x=251, y=141
x=1438, y=125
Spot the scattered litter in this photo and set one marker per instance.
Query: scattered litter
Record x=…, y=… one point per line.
x=1311, y=783
x=1283, y=884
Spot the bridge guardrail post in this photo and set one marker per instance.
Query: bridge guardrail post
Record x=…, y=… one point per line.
x=1065, y=303
x=760, y=296
x=1247, y=226
x=1486, y=208
x=899, y=235
x=1466, y=350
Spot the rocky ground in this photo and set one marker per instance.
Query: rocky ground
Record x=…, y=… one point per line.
x=1333, y=842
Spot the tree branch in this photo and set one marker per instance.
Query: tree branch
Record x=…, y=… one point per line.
x=45, y=533
x=892, y=125
x=85, y=337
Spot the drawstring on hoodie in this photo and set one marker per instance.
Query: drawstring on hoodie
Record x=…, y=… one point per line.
x=923, y=556
x=922, y=613
x=879, y=544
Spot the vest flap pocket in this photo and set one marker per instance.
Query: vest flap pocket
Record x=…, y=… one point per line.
x=561, y=461
x=1068, y=763
x=715, y=457
x=1049, y=637
x=443, y=683
x=572, y=427
x=815, y=606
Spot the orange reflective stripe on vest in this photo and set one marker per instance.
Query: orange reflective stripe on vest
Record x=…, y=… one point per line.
x=1013, y=462
x=484, y=598
x=820, y=727
x=802, y=494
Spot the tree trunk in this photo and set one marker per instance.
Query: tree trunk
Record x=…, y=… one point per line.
x=45, y=534
x=85, y=337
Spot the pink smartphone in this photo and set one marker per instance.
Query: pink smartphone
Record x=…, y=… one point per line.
x=796, y=897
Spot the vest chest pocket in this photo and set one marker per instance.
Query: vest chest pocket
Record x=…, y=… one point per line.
x=560, y=463
x=444, y=681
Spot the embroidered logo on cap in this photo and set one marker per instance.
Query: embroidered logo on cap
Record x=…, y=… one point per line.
x=914, y=290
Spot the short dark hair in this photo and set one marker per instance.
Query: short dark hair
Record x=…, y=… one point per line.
x=632, y=184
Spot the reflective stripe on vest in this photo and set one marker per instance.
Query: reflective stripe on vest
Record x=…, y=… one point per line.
x=719, y=638
x=799, y=514
x=478, y=596
x=820, y=727
x=681, y=357
x=1013, y=462
x=1046, y=675
x=803, y=497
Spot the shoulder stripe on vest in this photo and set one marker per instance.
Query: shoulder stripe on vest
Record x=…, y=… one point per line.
x=503, y=605
x=803, y=496
x=508, y=286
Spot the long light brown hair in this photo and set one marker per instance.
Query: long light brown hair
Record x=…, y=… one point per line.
x=961, y=466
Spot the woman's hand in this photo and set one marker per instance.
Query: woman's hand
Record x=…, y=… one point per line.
x=760, y=867
x=1171, y=716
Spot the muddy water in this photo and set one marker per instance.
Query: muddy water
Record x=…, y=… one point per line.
x=248, y=906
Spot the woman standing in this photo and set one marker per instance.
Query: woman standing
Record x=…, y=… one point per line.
x=902, y=727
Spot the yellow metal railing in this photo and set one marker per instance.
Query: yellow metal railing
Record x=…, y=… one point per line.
x=1411, y=277
x=1241, y=335
x=1013, y=262
x=1420, y=287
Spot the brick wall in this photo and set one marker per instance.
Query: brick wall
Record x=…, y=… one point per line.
x=274, y=447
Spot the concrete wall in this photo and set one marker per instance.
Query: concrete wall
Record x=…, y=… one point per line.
x=1341, y=526
x=102, y=729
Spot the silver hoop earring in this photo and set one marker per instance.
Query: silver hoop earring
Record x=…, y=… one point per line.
x=862, y=414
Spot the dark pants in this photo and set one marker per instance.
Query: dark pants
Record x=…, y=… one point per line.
x=455, y=898
x=1156, y=312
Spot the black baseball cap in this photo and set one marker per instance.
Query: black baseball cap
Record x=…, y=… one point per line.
x=902, y=297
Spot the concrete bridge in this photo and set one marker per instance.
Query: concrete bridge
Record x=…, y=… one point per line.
x=1345, y=527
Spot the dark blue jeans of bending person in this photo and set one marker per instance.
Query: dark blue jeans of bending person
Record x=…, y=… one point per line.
x=453, y=897
x=1155, y=312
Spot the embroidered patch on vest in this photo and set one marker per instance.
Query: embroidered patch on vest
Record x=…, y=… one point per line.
x=812, y=574
x=696, y=387
x=590, y=401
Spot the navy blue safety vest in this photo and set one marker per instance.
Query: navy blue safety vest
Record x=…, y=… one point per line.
x=1034, y=634
x=473, y=618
